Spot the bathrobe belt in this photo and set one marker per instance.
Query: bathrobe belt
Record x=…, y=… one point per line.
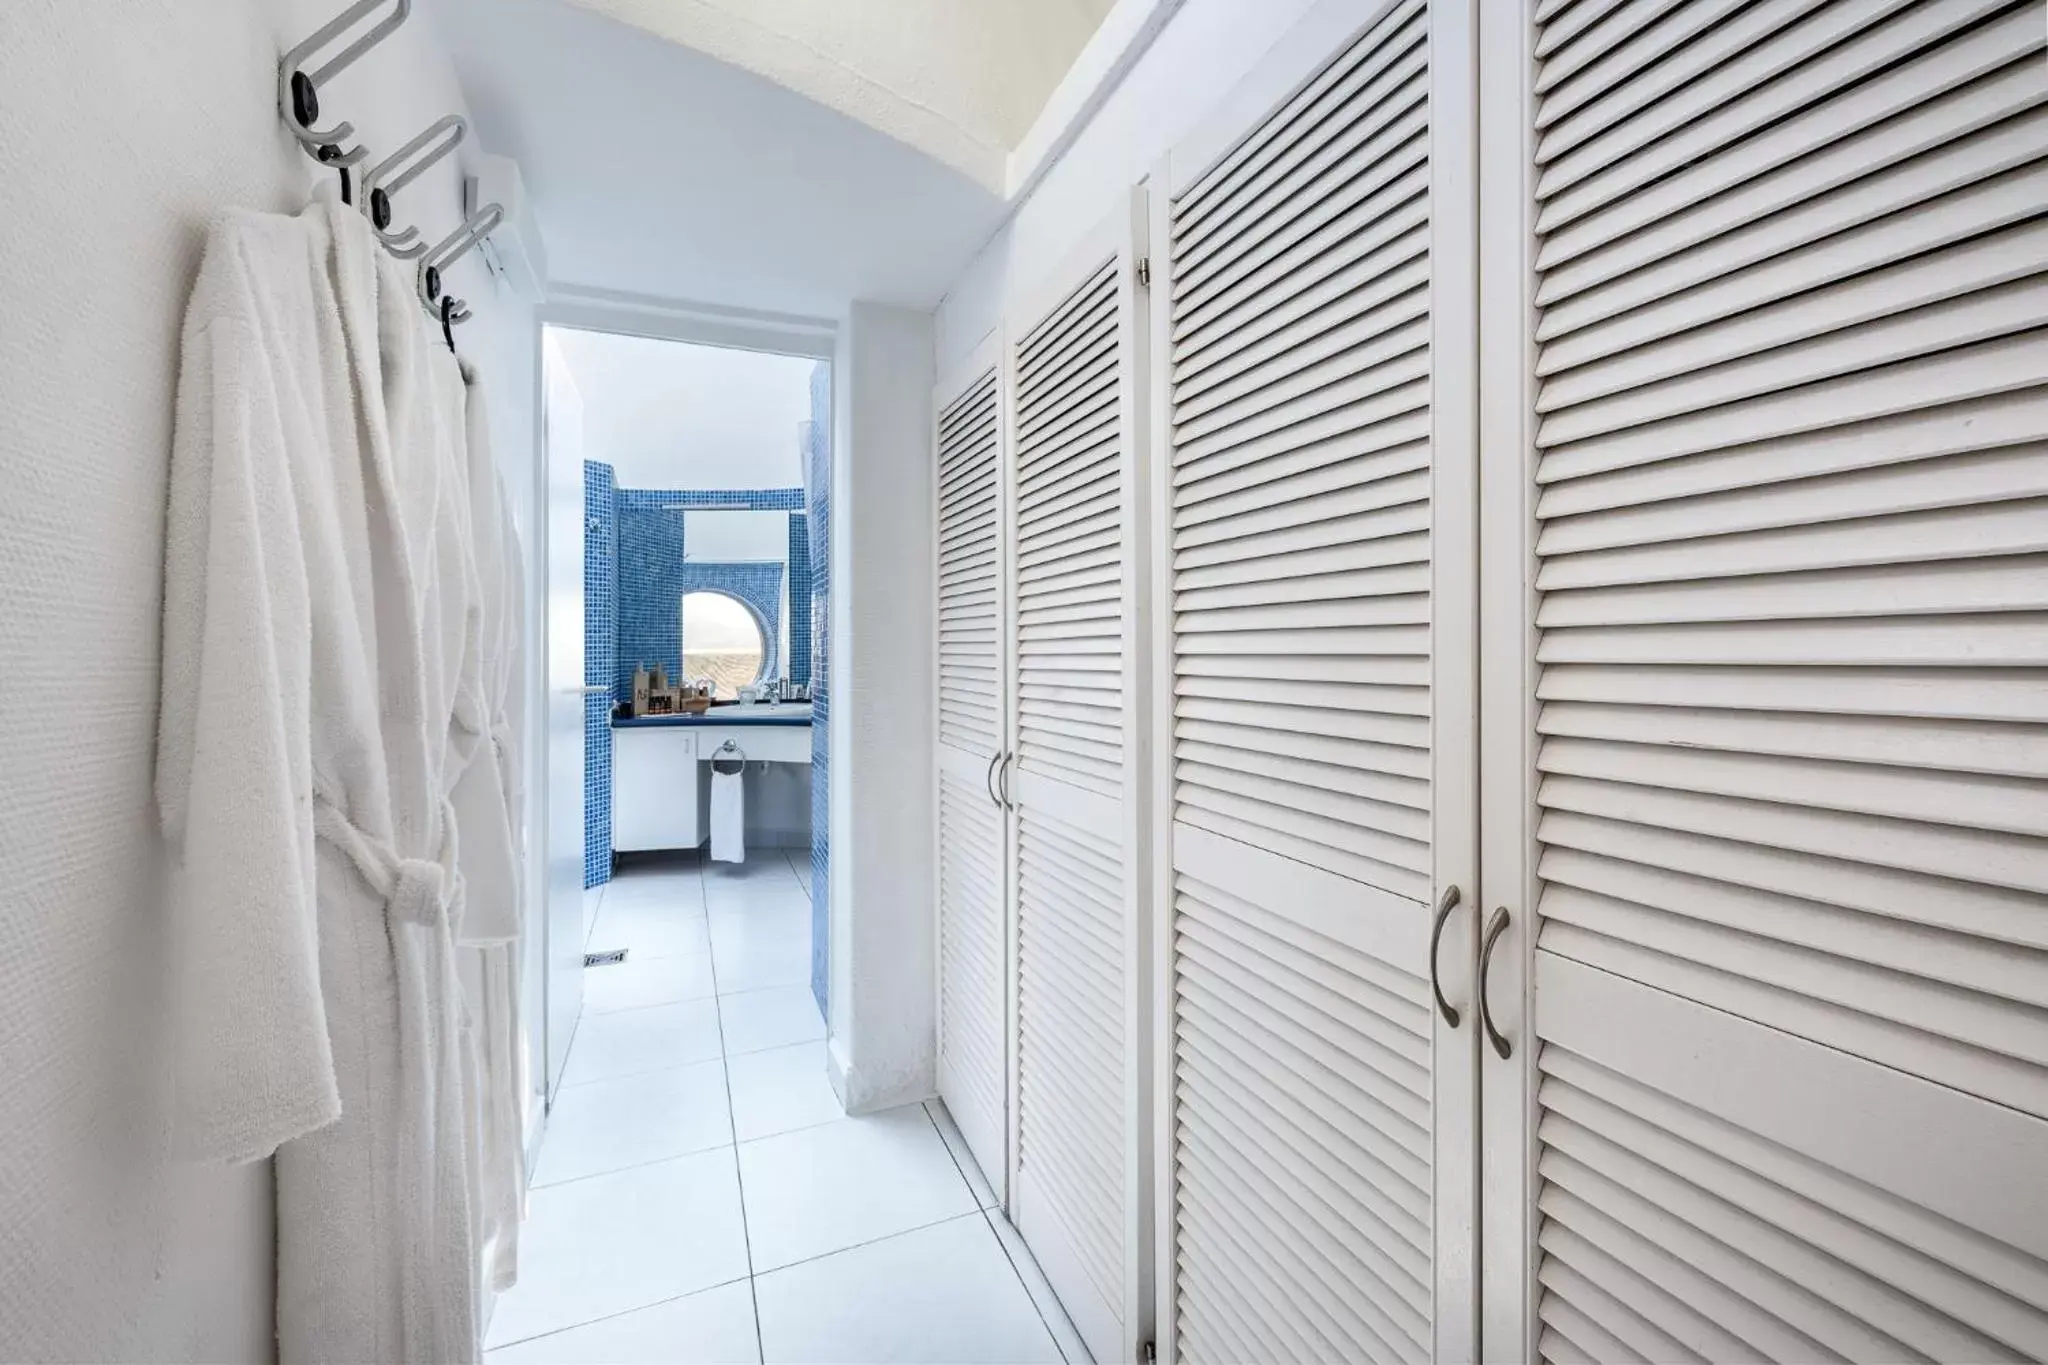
x=422, y=906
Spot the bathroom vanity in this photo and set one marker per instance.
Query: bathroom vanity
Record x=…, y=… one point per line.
x=661, y=767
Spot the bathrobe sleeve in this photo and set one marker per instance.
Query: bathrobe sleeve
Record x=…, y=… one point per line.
x=490, y=864
x=234, y=772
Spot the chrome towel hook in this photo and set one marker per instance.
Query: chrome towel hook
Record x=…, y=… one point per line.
x=444, y=254
x=393, y=174
x=298, y=93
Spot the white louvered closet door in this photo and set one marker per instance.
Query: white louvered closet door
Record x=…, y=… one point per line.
x=1790, y=497
x=973, y=831
x=1321, y=746
x=1076, y=784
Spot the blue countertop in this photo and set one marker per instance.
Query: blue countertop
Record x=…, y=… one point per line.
x=783, y=714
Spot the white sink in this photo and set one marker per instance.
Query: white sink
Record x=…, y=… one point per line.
x=761, y=710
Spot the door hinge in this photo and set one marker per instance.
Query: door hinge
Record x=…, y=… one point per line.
x=1144, y=272
x=1151, y=1353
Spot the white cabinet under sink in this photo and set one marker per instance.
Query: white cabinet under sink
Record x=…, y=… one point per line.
x=659, y=796
x=661, y=778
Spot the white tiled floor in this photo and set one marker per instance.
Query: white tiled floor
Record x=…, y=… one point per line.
x=701, y=1197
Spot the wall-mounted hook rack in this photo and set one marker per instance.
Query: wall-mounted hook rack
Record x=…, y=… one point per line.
x=298, y=104
x=400, y=169
x=448, y=251
x=298, y=91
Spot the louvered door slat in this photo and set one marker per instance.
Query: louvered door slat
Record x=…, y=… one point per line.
x=1369, y=247
x=1792, y=745
x=1071, y=384
x=1299, y=556
x=973, y=850
x=1068, y=379
x=1316, y=803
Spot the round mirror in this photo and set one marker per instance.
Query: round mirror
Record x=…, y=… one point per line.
x=721, y=641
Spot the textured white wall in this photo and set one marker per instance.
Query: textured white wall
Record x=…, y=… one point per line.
x=883, y=1045
x=1190, y=66
x=125, y=125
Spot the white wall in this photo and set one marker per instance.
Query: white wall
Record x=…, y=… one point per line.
x=1191, y=65
x=718, y=536
x=127, y=125
x=627, y=142
x=882, y=1039
x=667, y=414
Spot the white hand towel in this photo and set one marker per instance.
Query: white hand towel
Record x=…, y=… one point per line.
x=729, y=816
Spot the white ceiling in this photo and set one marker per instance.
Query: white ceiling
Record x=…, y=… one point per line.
x=961, y=80
x=667, y=415
x=658, y=170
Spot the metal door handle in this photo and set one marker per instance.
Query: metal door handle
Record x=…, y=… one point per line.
x=1003, y=781
x=1436, y=936
x=988, y=780
x=1495, y=927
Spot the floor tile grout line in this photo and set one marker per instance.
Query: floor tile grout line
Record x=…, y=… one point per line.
x=652, y=1005
x=953, y=1156
x=1031, y=1298
x=749, y=990
x=738, y=1172
x=772, y=1047
x=722, y=1055
x=785, y=1132
x=870, y=1242
x=988, y=1214
x=623, y=1312
x=959, y=1161
x=650, y=910
x=630, y=1075
x=637, y=1165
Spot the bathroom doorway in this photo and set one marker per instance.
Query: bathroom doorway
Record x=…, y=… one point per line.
x=699, y=641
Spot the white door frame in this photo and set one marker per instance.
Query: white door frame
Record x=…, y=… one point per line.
x=655, y=319
x=1123, y=235
x=1507, y=685
x=556, y=958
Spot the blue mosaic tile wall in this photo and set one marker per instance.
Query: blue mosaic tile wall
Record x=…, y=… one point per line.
x=819, y=518
x=634, y=578
x=799, y=597
x=651, y=572
x=650, y=584
x=757, y=585
x=600, y=664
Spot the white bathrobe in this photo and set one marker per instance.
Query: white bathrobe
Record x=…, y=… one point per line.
x=457, y=531
x=299, y=778
x=489, y=813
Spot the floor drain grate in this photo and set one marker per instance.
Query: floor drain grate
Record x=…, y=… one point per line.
x=610, y=959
